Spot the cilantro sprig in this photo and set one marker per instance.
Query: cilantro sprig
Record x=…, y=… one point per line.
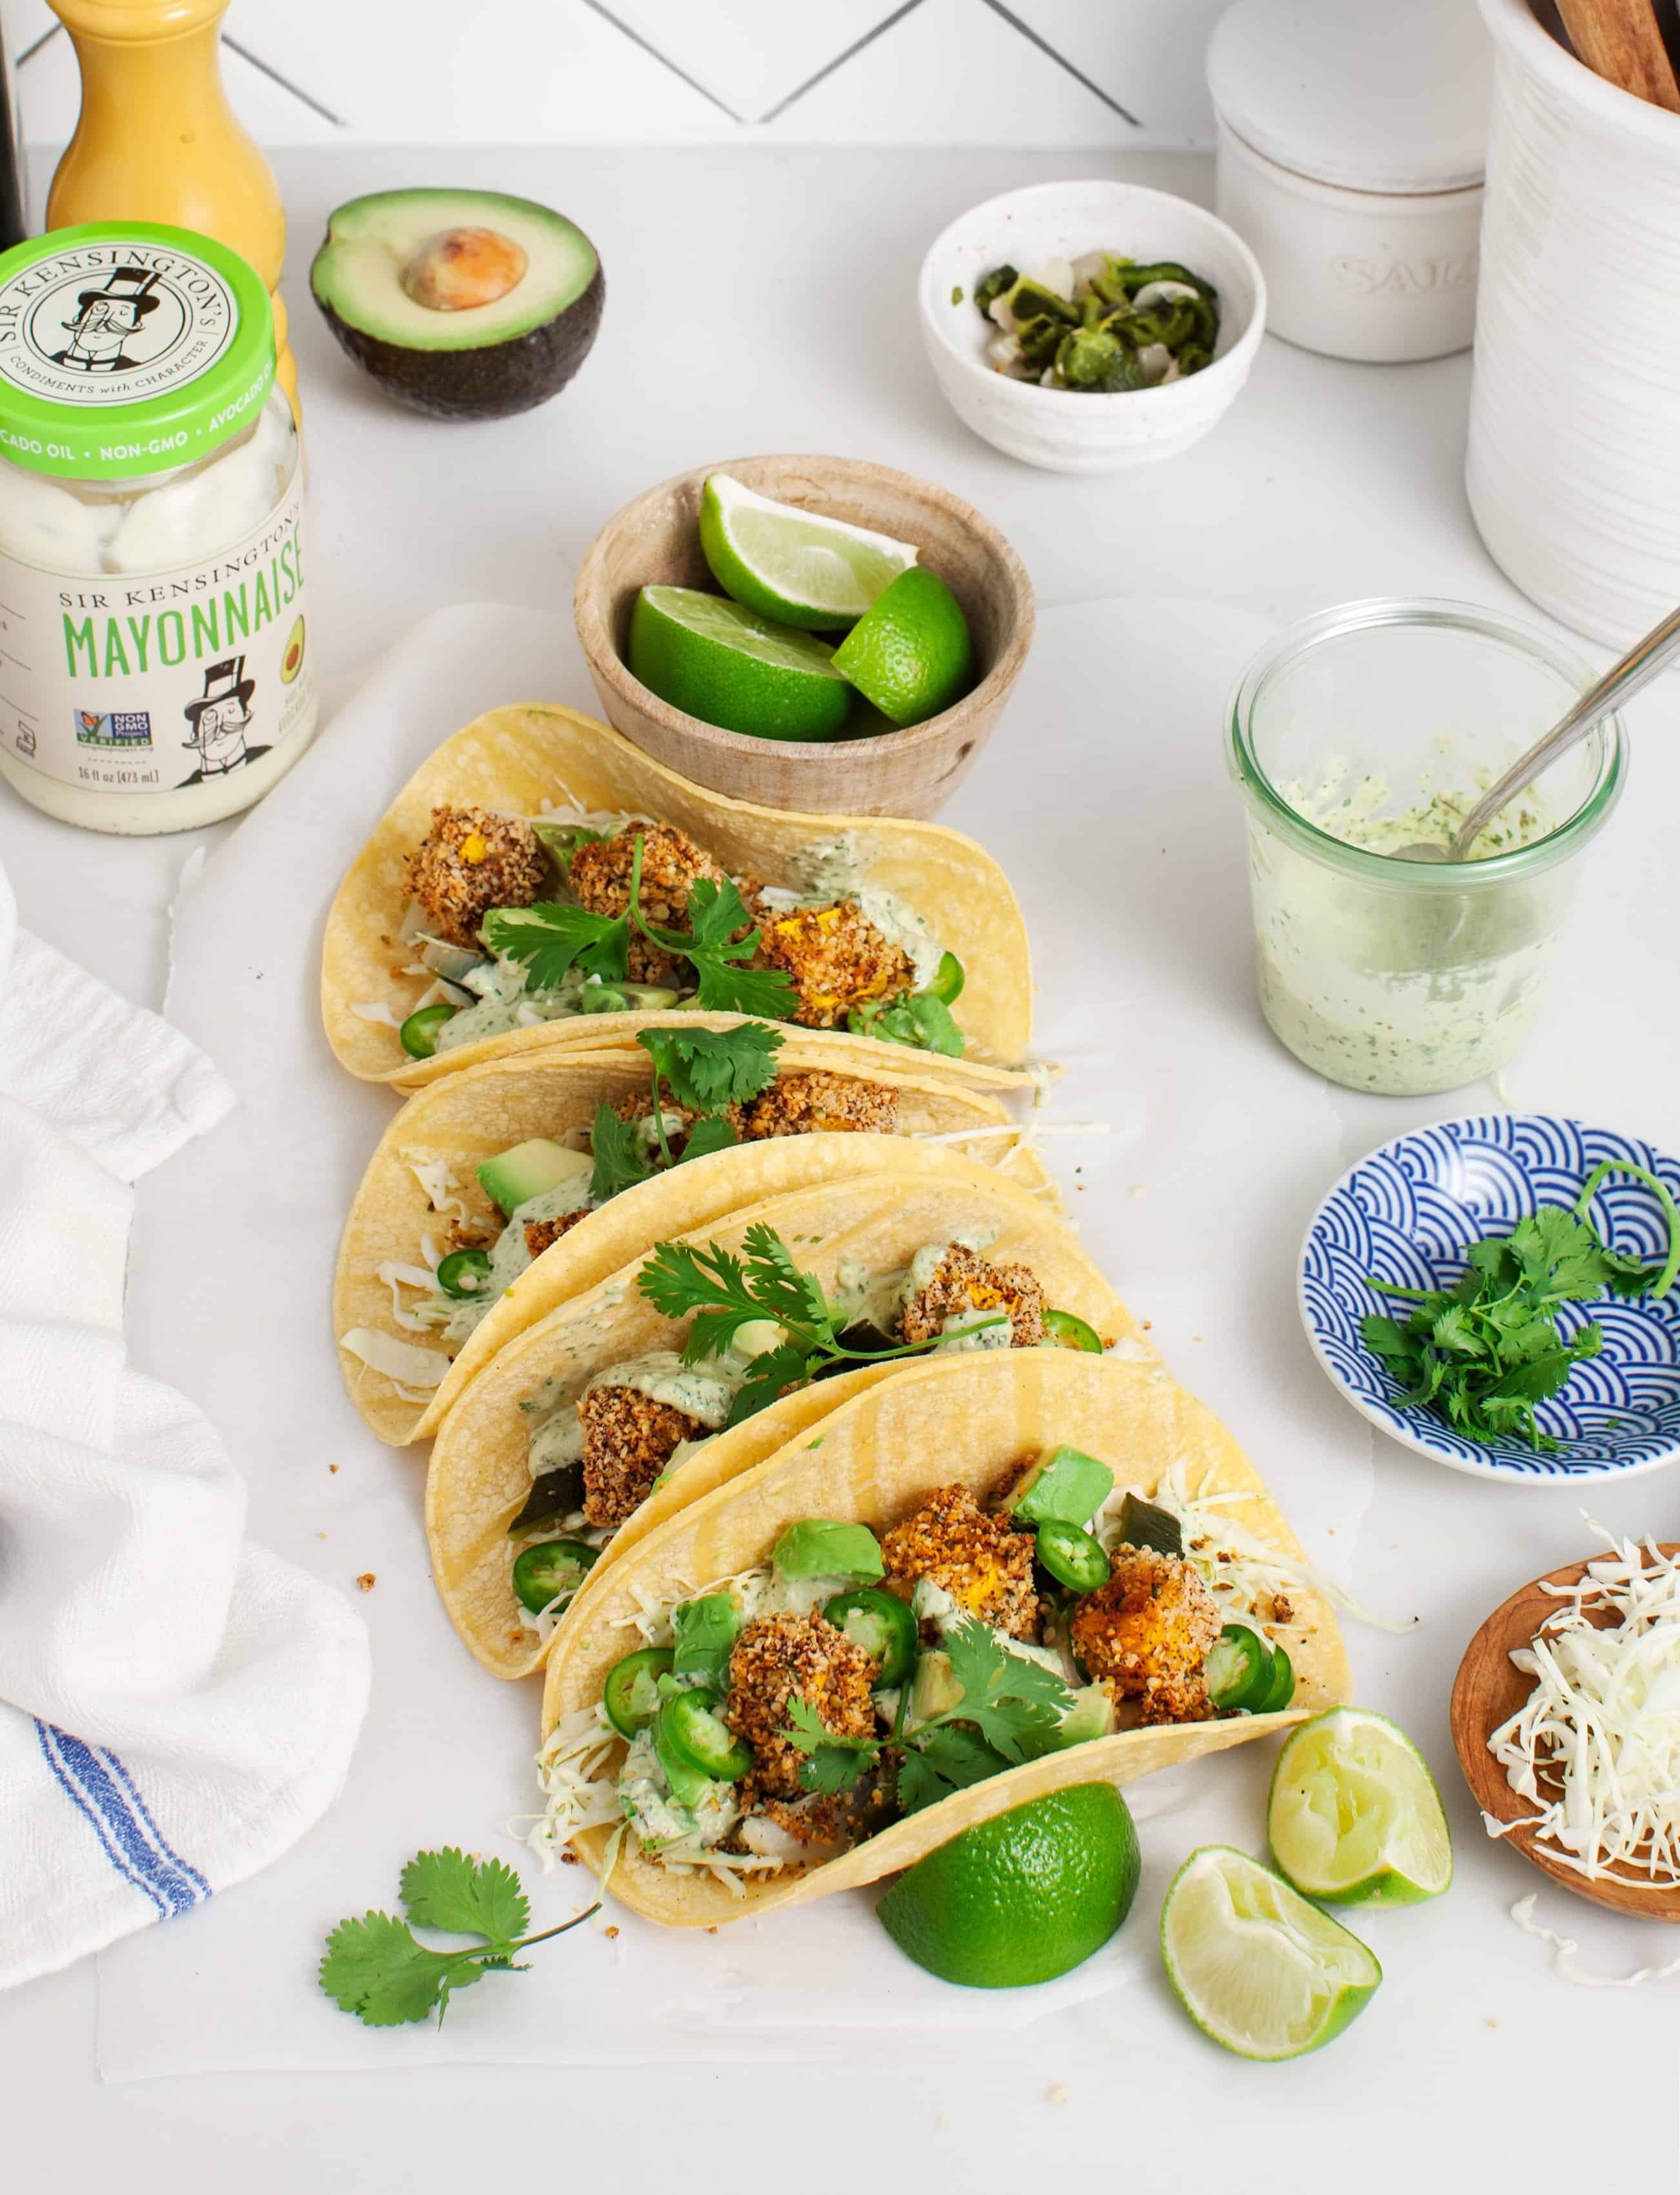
x=1483, y=1353
x=703, y=1070
x=1006, y=1706
x=726, y=1292
x=552, y=936
x=378, y=1969
x=831, y=1763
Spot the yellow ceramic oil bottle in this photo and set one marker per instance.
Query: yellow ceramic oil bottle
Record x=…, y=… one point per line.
x=156, y=141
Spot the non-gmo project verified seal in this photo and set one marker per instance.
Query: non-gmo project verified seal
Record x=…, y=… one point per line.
x=117, y=732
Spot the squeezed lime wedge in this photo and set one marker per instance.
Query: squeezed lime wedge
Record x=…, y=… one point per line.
x=1354, y=1818
x=1256, y=1967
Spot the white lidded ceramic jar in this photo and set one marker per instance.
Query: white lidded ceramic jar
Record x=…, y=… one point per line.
x=1350, y=162
x=1573, y=465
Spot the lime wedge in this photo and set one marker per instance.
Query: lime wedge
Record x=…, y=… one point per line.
x=729, y=666
x=909, y=653
x=1028, y=1895
x=794, y=566
x=1354, y=1817
x=1256, y=1966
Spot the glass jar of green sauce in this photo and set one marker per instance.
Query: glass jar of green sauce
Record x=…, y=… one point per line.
x=1372, y=727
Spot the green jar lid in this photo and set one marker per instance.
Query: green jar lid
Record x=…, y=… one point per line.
x=129, y=348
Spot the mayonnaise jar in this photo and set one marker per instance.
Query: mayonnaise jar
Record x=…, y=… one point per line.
x=155, y=671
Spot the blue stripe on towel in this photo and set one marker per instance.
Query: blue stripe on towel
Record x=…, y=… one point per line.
x=100, y=1788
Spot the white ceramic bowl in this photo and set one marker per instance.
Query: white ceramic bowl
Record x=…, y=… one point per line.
x=1069, y=430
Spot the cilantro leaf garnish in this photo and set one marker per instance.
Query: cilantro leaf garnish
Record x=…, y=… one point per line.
x=552, y=935
x=1007, y=1697
x=831, y=1763
x=716, y=913
x=711, y=1134
x=378, y=1969
x=620, y=1161
x=772, y=1374
x=464, y=1897
x=1484, y=1352
x=708, y=1069
x=702, y=1070
x=942, y=1761
x=726, y=1292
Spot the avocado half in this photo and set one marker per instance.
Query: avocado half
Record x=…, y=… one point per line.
x=461, y=304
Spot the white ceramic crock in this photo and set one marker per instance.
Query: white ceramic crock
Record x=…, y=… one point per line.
x=1350, y=154
x=1068, y=430
x=1573, y=465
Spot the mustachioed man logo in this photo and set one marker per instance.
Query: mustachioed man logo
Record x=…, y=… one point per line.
x=220, y=720
x=104, y=321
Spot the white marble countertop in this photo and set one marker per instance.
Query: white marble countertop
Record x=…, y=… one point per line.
x=763, y=301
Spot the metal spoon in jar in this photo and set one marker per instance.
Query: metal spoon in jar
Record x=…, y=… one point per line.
x=1636, y=669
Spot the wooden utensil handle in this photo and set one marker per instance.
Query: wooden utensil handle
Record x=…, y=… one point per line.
x=1618, y=40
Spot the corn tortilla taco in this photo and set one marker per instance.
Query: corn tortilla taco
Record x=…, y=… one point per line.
x=763, y=1700
x=500, y=1191
x=540, y=881
x=626, y=1403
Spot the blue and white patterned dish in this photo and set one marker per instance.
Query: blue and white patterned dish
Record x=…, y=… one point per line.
x=1405, y=1212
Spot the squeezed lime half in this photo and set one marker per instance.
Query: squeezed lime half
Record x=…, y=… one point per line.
x=1256, y=1967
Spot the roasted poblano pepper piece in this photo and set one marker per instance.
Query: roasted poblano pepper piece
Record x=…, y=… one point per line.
x=1029, y=299
x=1132, y=279
x=1147, y=1524
x=1038, y=339
x=1000, y=279
x=1096, y=359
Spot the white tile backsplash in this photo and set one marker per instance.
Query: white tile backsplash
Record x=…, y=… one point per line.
x=435, y=72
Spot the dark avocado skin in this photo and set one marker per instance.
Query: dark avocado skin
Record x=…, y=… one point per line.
x=492, y=382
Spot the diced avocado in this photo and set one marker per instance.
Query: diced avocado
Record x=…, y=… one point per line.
x=1144, y=1524
x=1090, y=1715
x=649, y=998
x=1066, y=1486
x=513, y=1176
x=934, y=1690
x=703, y=1632
x=758, y=1337
x=816, y=1547
x=465, y=304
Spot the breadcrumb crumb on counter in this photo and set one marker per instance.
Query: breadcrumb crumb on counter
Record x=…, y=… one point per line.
x=836, y=959
x=775, y=1658
x=368, y=1579
x=629, y=1438
x=470, y=860
x=810, y=1101
x=965, y=1282
x=985, y=1565
x=1149, y=1630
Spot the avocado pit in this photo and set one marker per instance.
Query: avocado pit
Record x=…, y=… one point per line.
x=459, y=268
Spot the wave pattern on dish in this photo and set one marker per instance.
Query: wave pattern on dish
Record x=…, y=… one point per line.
x=1406, y=1214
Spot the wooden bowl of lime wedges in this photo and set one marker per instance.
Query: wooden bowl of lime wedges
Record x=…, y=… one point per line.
x=806, y=632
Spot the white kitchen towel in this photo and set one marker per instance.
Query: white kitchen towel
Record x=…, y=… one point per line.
x=175, y=1707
